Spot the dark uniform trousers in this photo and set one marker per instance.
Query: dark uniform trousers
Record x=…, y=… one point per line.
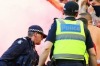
x=69, y=63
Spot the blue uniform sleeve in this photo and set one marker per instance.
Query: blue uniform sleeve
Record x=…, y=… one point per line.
x=52, y=33
x=14, y=50
x=2, y=63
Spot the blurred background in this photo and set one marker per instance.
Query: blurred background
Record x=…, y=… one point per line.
x=17, y=15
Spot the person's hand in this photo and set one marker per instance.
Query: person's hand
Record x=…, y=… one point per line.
x=91, y=9
x=98, y=23
x=91, y=3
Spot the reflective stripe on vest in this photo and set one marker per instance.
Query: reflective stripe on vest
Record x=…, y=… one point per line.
x=70, y=40
x=71, y=56
x=70, y=37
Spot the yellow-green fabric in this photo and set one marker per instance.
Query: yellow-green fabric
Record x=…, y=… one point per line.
x=86, y=58
x=70, y=43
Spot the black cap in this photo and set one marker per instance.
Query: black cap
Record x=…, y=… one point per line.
x=71, y=6
x=36, y=28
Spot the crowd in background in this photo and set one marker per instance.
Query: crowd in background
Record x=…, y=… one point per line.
x=91, y=6
x=86, y=6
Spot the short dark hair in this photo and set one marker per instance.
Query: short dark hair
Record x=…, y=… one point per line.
x=70, y=13
x=30, y=34
x=84, y=21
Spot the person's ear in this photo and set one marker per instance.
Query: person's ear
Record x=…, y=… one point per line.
x=63, y=12
x=76, y=14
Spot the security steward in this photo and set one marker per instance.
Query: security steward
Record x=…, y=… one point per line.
x=70, y=39
x=22, y=52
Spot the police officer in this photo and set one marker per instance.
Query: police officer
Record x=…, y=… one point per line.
x=70, y=39
x=22, y=52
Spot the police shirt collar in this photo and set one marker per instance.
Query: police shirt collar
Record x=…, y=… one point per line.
x=29, y=40
x=70, y=18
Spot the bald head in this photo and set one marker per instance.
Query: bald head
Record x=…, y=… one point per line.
x=87, y=16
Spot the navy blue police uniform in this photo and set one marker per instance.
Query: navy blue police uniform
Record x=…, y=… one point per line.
x=21, y=53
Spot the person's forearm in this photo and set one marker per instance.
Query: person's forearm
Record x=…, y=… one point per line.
x=56, y=4
x=93, y=60
x=45, y=53
x=43, y=57
x=92, y=57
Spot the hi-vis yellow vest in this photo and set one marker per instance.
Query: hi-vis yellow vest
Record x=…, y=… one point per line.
x=70, y=40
